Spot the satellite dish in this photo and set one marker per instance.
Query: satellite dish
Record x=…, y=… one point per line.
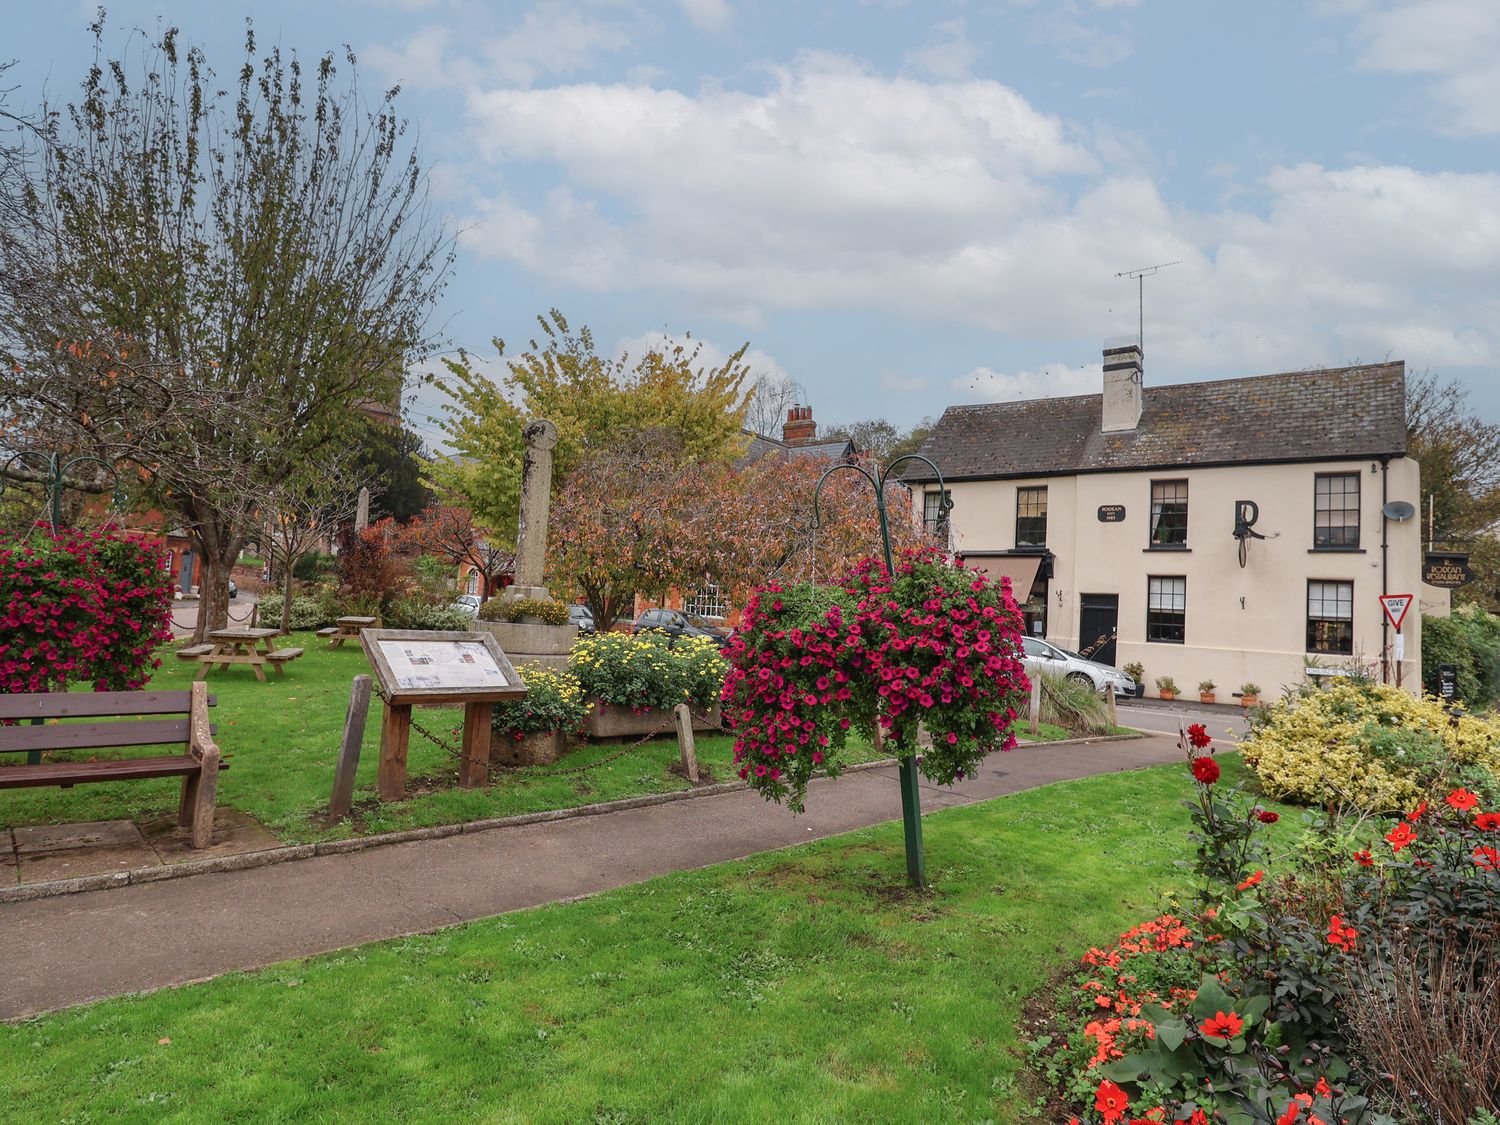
x=1398, y=510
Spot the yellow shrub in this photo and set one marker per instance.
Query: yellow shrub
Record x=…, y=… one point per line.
x=1372, y=746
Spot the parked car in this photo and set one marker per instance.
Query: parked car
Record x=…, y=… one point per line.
x=1043, y=656
x=679, y=624
x=583, y=617
x=234, y=591
x=468, y=603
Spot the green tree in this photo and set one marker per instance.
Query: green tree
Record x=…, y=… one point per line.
x=394, y=460
x=883, y=440
x=592, y=399
x=205, y=285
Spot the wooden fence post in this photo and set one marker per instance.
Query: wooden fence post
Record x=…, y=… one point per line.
x=1036, y=702
x=354, y=735
x=685, y=744
x=1114, y=715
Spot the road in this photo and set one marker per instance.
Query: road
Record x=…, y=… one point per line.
x=185, y=614
x=1226, y=726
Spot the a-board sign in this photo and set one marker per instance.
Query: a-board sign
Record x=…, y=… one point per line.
x=1446, y=570
x=1395, y=606
x=1111, y=513
x=420, y=666
x=1447, y=682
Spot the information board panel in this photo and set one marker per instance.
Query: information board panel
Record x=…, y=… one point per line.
x=418, y=666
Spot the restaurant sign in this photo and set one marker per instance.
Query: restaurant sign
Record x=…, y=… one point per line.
x=1111, y=513
x=1448, y=571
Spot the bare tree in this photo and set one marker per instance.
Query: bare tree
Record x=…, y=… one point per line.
x=298, y=514
x=773, y=395
x=208, y=287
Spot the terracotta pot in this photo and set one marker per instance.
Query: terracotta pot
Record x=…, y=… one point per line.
x=537, y=748
x=1249, y=700
x=1167, y=695
x=1205, y=697
x=609, y=720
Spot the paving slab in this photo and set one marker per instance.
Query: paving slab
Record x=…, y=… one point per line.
x=65, y=851
x=152, y=935
x=235, y=833
x=10, y=873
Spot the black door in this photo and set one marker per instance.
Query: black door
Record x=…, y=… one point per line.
x=1098, y=623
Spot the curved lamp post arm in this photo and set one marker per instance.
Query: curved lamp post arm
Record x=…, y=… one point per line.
x=817, y=519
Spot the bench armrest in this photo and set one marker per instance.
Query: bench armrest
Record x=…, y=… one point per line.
x=201, y=744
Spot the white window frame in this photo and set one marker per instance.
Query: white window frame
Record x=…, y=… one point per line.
x=707, y=601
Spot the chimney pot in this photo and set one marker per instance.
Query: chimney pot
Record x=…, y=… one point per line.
x=1124, y=385
x=800, y=429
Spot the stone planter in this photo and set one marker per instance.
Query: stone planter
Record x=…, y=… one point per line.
x=531, y=640
x=539, y=748
x=607, y=720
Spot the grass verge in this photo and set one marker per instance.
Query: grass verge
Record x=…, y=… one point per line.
x=807, y=985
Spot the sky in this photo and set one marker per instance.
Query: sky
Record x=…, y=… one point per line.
x=906, y=206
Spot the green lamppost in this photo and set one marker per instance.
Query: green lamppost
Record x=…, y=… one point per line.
x=911, y=796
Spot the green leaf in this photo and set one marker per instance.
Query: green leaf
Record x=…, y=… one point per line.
x=1254, y=1008
x=1211, y=998
x=1171, y=1033
x=1129, y=1069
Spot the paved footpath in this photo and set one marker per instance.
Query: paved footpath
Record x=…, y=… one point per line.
x=88, y=946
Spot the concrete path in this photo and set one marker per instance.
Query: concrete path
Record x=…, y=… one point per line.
x=88, y=946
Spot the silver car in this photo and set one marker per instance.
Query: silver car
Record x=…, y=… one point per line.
x=1043, y=656
x=469, y=603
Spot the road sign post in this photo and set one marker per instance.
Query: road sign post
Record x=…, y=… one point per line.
x=1395, y=607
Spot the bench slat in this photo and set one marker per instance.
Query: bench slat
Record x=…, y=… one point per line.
x=192, y=652
x=89, y=704
x=284, y=654
x=90, y=736
x=77, y=773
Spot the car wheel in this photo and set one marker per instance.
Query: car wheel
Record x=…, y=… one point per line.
x=1084, y=679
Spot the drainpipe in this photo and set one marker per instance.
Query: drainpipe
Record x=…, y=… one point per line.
x=1385, y=625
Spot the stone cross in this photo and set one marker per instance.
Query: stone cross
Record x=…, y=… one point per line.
x=540, y=437
x=362, y=515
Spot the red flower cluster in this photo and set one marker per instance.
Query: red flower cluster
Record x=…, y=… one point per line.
x=1340, y=935
x=80, y=607
x=1206, y=770
x=1198, y=736
x=935, y=645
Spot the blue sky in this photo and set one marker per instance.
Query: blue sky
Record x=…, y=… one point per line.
x=910, y=205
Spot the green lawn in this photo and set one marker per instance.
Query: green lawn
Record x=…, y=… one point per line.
x=802, y=985
x=282, y=737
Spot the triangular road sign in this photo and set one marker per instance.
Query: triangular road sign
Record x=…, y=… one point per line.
x=1395, y=606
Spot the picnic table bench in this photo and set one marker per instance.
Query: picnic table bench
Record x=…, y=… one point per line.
x=198, y=765
x=243, y=646
x=347, y=629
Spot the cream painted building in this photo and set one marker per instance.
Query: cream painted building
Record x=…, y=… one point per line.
x=1233, y=531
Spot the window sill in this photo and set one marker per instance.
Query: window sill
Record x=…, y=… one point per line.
x=1149, y=641
x=1336, y=551
x=1167, y=550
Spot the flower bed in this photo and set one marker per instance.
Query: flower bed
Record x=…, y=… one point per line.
x=79, y=606
x=1334, y=990
x=649, y=670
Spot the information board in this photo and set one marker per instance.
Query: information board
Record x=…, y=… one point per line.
x=418, y=666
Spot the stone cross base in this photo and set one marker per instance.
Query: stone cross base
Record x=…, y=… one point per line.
x=525, y=593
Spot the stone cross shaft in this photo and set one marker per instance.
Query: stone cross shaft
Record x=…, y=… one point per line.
x=540, y=438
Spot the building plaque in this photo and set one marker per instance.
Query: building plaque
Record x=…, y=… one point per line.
x=1111, y=513
x=1448, y=571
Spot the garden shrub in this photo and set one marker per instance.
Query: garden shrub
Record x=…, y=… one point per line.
x=307, y=612
x=933, y=646
x=314, y=567
x=549, y=612
x=420, y=613
x=645, y=670
x=80, y=607
x=1470, y=641
x=1073, y=705
x=1371, y=746
x=554, y=702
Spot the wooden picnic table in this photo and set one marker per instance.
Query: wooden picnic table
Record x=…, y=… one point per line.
x=347, y=629
x=245, y=646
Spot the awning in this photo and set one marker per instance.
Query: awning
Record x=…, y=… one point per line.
x=1020, y=569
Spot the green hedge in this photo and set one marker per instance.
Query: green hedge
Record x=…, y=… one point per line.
x=1470, y=641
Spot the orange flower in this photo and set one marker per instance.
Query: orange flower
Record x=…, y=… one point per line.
x=1111, y=1101
x=1462, y=800
x=1250, y=882
x=1486, y=856
x=1341, y=935
x=1401, y=835
x=1364, y=859
x=1416, y=813
x=1487, y=822
x=1222, y=1025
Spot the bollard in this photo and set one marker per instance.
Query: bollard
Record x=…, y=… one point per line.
x=685, y=744
x=354, y=735
x=1036, y=702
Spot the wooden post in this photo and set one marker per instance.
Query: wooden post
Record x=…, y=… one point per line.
x=1114, y=716
x=354, y=735
x=474, y=769
x=1036, y=702
x=395, y=730
x=685, y=744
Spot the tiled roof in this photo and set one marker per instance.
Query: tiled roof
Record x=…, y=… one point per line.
x=1329, y=414
x=760, y=446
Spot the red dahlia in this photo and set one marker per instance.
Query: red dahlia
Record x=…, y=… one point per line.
x=1206, y=770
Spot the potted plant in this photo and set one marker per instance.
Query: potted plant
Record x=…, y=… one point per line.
x=1166, y=687
x=633, y=680
x=1249, y=694
x=1205, y=691
x=533, y=731
x=1137, y=672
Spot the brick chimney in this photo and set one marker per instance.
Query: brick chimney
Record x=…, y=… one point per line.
x=1124, y=389
x=799, y=428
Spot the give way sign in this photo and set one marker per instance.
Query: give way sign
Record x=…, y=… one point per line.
x=1395, y=606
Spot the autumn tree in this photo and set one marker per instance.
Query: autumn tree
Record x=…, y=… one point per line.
x=592, y=399
x=449, y=532
x=208, y=284
x=303, y=511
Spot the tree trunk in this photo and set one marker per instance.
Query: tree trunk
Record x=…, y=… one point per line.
x=219, y=549
x=286, y=596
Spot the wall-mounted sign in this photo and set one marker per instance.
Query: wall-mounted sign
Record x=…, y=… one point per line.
x=1111, y=513
x=1448, y=571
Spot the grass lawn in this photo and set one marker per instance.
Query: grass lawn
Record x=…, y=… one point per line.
x=805, y=985
x=283, y=738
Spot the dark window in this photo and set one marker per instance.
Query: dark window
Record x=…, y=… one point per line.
x=934, y=517
x=1336, y=510
x=1330, y=617
x=1169, y=503
x=1031, y=517
x=1166, y=610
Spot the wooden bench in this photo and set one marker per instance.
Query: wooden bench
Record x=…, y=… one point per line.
x=193, y=652
x=328, y=631
x=283, y=654
x=198, y=766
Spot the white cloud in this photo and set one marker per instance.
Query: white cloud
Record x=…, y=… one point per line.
x=947, y=54
x=1453, y=43
x=1051, y=380
x=712, y=16
x=763, y=367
